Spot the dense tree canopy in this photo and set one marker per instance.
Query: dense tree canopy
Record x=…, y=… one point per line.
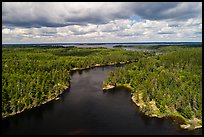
x=32, y=76
x=173, y=81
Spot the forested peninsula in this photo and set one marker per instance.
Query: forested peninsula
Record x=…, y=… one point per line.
x=167, y=85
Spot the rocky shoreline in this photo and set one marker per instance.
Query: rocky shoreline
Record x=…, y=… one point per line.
x=150, y=109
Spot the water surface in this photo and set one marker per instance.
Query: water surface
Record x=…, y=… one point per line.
x=85, y=109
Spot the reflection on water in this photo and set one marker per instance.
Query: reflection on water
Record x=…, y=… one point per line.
x=85, y=109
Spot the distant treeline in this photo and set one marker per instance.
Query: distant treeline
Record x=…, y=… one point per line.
x=122, y=43
x=157, y=46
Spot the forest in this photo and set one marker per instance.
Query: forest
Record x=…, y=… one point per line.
x=167, y=85
x=34, y=75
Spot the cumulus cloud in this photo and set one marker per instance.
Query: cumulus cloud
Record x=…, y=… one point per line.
x=166, y=10
x=62, y=14
x=58, y=14
x=101, y=21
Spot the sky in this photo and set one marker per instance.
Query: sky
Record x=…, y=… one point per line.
x=64, y=22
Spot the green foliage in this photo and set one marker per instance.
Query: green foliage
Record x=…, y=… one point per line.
x=33, y=75
x=173, y=80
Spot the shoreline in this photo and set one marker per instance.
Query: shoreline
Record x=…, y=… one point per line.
x=57, y=96
x=189, y=124
x=26, y=109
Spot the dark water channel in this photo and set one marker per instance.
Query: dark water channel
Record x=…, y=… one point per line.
x=86, y=109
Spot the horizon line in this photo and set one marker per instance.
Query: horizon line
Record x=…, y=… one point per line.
x=109, y=42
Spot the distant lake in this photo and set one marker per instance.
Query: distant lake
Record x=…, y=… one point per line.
x=108, y=45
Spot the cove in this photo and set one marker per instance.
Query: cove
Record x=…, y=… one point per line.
x=85, y=109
